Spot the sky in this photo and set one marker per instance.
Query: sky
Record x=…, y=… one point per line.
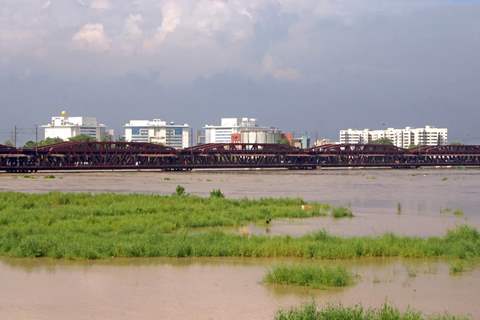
x=313, y=66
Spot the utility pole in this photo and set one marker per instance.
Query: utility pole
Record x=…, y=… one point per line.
x=36, y=138
x=15, y=136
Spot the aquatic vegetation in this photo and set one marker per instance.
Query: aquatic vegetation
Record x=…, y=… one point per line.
x=216, y=193
x=317, y=277
x=457, y=266
x=50, y=177
x=399, y=208
x=180, y=191
x=341, y=212
x=87, y=226
x=458, y=213
x=340, y=312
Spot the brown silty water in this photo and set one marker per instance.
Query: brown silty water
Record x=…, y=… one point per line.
x=406, y=202
x=233, y=288
x=216, y=289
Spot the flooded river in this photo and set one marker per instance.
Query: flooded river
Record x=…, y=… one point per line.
x=419, y=192
x=409, y=202
x=206, y=289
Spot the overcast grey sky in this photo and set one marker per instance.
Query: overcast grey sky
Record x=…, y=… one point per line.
x=301, y=65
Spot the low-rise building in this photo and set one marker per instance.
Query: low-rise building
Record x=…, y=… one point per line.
x=160, y=132
x=65, y=127
x=403, y=138
x=241, y=130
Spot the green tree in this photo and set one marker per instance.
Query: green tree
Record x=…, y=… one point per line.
x=49, y=141
x=29, y=144
x=383, y=141
x=82, y=138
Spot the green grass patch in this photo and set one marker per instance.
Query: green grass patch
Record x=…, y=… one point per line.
x=341, y=212
x=317, y=277
x=180, y=191
x=217, y=193
x=458, y=213
x=339, y=312
x=87, y=226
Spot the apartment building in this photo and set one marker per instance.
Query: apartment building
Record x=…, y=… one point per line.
x=160, y=132
x=403, y=138
x=66, y=127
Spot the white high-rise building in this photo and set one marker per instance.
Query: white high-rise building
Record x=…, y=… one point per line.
x=158, y=131
x=403, y=138
x=65, y=127
x=228, y=126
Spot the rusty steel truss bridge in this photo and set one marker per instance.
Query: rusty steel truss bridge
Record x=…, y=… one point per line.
x=137, y=156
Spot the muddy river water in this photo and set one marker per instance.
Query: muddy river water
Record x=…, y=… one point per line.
x=215, y=289
x=410, y=202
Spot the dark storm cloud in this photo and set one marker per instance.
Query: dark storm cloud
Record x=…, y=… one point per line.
x=305, y=65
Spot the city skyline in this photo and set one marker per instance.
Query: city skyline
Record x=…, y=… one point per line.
x=20, y=135
x=305, y=66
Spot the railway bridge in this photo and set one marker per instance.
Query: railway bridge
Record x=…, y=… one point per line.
x=125, y=155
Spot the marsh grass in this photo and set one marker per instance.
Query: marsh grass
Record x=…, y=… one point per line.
x=180, y=191
x=217, y=193
x=339, y=312
x=458, y=213
x=457, y=266
x=86, y=226
x=341, y=212
x=316, y=277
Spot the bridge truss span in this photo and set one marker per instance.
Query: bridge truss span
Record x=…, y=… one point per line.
x=124, y=155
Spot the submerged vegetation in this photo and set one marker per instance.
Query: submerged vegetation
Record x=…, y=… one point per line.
x=457, y=212
x=339, y=312
x=311, y=276
x=111, y=225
